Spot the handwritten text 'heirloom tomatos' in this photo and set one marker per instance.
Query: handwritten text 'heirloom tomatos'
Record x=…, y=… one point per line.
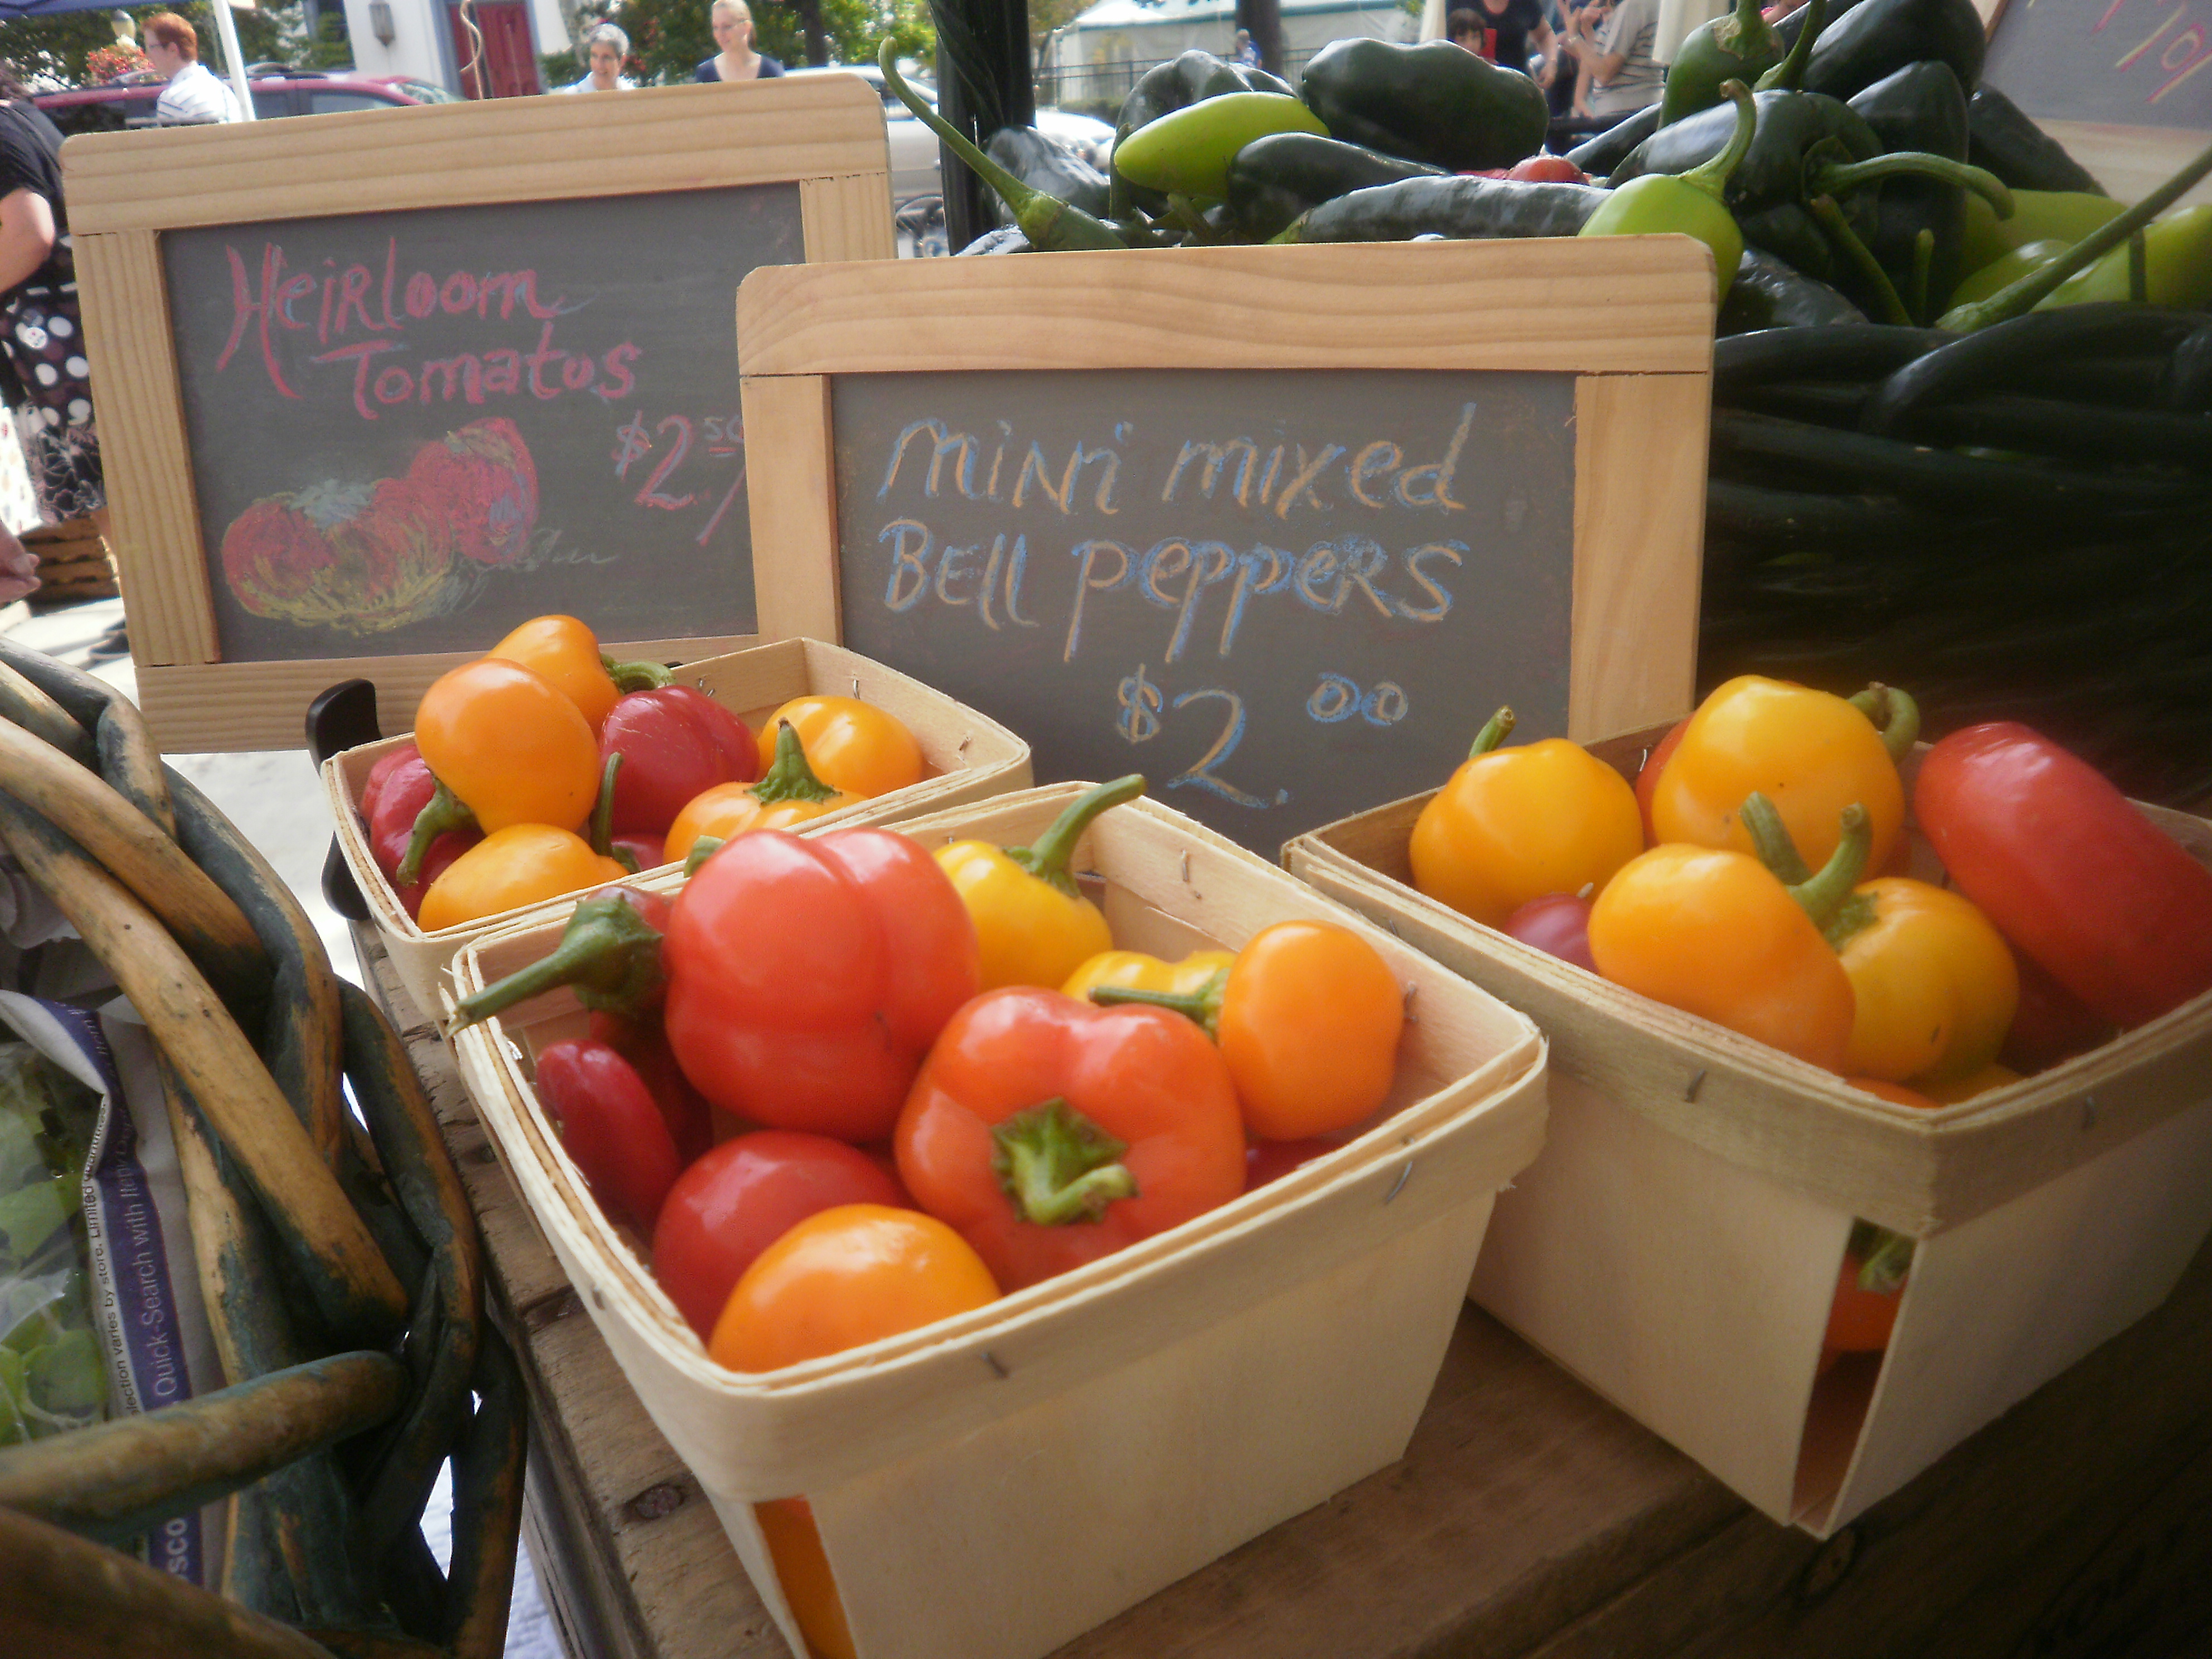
x=1283, y=483
x=358, y=317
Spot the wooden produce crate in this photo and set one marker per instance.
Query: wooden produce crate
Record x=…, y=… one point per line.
x=966, y=756
x=1105, y=1433
x=1679, y=1243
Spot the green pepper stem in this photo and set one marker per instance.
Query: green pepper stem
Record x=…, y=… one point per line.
x=1834, y=177
x=1884, y=1257
x=1712, y=176
x=609, y=952
x=1498, y=728
x=1049, y=859
x=1058, y=1166
x=1924, y=267
x=603, y=810
x=1839, y=230
x=1769, y=839
x=703, y=848
x=1203, y=1006
x=1787, y=75
x=441, y=813
x=1894, y=714
x=636, y=675
x=790, y=778
x=1825, y=895
x=2018, y=299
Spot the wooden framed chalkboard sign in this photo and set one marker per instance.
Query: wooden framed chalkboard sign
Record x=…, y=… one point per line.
x=374, y=388
x=1280, y=527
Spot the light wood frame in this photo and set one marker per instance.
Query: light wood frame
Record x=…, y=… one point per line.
x=823, y=133
x=1632, y=318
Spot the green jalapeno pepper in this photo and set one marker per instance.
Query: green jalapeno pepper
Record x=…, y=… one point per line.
x=1166, y=87
x=1737, y=46
x=1275, y=178
x=1437, y=103
x=1188, y=153
x=1689, y=203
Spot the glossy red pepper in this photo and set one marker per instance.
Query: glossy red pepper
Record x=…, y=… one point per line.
x=1050, y=1133
x=609, y=951
x=1557, y=924
x=674, y=740
x=806, y=979
x=643, y=1043
x=398, y=788
x=379, y=774
x=612, y=1127
x=2110, y=905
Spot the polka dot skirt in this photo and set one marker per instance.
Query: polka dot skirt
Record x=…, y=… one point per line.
x=43, y=338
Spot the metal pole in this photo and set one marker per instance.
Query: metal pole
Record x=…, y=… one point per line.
x=234, y=59
x=983, y=83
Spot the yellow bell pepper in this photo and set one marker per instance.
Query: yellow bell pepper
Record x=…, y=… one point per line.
x=1196, y=974
x=1514, y=824
x=522, y=864
x=1033, y=924
x=852, y=745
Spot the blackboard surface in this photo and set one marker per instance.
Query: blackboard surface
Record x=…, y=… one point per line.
x=2126, y=63
x=411, y=431
x=1284, y=596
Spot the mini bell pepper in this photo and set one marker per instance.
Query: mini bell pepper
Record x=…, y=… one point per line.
x=2051, y=1025
x=1199, y=972
x=398, y=790
x=523, y=864
x=788, y=794
x=802, y=1572
x=1982, y=1082
x=1034, y=924
x=611, y=1126
x=1869, y=1288
x=676, y=742
x=610, y=952
x=852, y=745
x=806, y=979
x=1557, y=924
x=2109, y=904
x=509, y=746
x=1933, y=983
x=372, y=787
x=1050, y=1133
x=566, y=653
x=1716, y=933
x=844, y=1277
x=1308, y=1016
x=1690, y=203
x=1514, y=825
x=1810, y=752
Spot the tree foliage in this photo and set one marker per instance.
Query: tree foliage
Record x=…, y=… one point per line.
x=670, y=39
x=51, y=51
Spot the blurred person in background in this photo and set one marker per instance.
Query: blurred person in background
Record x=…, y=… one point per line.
x=1622, y=76
x=194, y=96
x=732, y=23
x=605, y=46
x=1504, y=32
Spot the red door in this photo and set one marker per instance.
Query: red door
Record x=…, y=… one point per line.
x=510, y=60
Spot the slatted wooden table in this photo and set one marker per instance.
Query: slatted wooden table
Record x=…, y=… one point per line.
x=1527, y=1519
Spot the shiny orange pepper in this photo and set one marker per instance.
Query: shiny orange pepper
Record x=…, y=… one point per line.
x=790, y=794
x=1514, y=824
x=802, y=1568
x=522, y=864
x=1307, y=1014
x=509, y=746
x=567, y=653
x=1716, y=933
x=852, y=745
x=1810, y=752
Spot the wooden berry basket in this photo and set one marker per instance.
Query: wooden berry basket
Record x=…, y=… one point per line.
x=1679, y=1243
x=1107, y=1432
x=965, y=757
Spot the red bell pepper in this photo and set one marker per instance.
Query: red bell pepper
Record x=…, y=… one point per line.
x=806, y=979
x=1557, y=924
x=612, y=1127
x=1050, y=1133
x=675, y=741
x=609, y=951
x=398, y=787
x=2070, y=872
x=380, y=774
x=643, y=1043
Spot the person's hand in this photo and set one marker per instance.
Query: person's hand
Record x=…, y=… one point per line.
x=1546, y=75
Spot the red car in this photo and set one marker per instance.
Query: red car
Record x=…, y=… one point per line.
x=277, y=91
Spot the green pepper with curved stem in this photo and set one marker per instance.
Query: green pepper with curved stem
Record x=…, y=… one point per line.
x=1737, y=46
x=1690, y=203
x=1050, y=224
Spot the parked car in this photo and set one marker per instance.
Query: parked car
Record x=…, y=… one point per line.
x=277, y=91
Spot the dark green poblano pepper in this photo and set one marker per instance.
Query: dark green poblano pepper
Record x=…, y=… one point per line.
x=1050, y=224
x=1273, y=179
x=1166, y=87
x=1737, y=46
x=1688, y=203
x=1437, y=103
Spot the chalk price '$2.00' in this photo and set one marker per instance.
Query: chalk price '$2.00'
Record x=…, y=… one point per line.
x=1143, y=705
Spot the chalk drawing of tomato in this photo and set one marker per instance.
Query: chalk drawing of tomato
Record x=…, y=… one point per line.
x=482, y=482
x=357, y=558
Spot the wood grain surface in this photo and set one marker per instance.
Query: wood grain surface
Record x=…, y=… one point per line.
x=1529, y=1519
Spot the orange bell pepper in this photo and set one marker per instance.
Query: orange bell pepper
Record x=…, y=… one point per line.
x=1933, y=982
x=509, y=746
x=1869, y=1288
x=567, y=653
x=789, y=794
x=1514, y=824
x=852, y=745
x=1308, y=1016
x=1716, y=933
x=522, y=864
x=802, y=1568
x=1810, y=752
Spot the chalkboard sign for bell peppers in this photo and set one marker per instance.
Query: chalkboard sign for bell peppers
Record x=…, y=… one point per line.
x=376, y=387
